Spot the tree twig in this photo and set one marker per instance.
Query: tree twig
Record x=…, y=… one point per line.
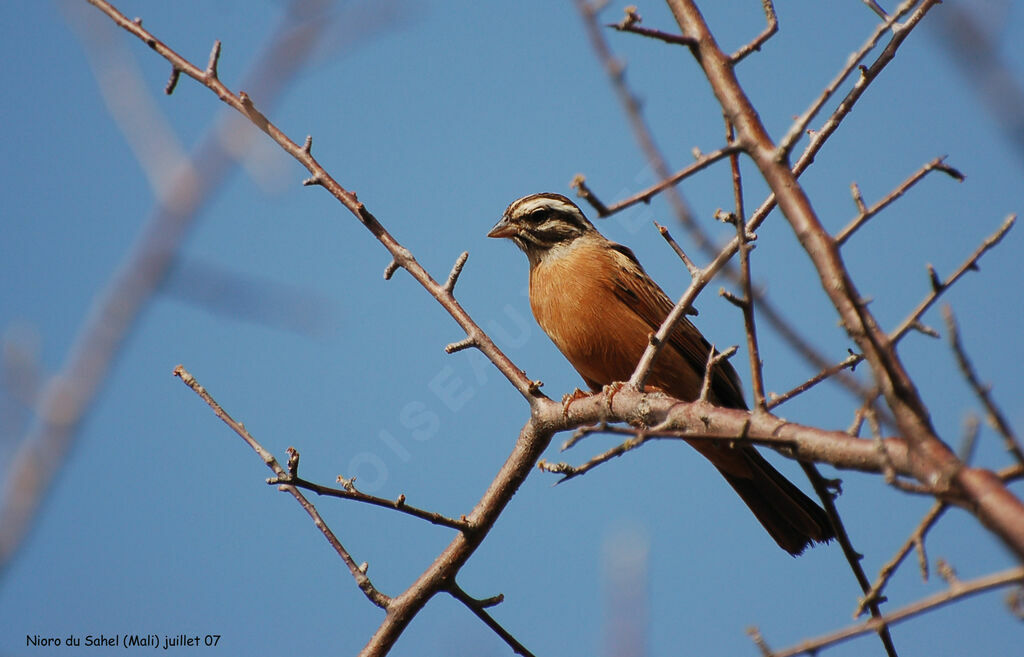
x=982, y=391
x=760, y=39
x=867, y=213
x=358, y=572
x=955, y=592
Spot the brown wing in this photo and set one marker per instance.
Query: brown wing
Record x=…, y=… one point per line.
x=792, y=518
x=640, y=293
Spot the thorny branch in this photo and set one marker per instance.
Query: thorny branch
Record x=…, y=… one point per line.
x=995, y=416
x=956, y=591
x=994, y=504
x=866, y=213
x=721, y=260
x=358, y=572
x=113, y=311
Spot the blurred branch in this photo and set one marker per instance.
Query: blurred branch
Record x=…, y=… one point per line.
x=982, y=391
x=974, y=50
x=69, y=394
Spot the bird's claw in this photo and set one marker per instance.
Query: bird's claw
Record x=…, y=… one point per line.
x=609, y=392
x=568, y=399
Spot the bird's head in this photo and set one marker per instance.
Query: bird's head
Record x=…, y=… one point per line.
x=542, y=223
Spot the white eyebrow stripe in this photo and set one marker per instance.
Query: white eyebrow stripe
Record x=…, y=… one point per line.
x=531, y=204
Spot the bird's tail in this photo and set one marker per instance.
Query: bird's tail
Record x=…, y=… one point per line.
x=794, y=520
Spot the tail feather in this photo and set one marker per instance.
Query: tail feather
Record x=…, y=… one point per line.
x=791, y=517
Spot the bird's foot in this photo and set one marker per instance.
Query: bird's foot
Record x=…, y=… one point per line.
x=567, y=401
x=609, y=392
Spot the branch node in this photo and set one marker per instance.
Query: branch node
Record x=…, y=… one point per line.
x=713, y=359
x=732, y=298
x=347, y=484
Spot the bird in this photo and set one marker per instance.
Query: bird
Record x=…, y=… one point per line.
x=594, y=300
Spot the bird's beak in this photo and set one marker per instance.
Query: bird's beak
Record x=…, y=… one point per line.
x=503, y=228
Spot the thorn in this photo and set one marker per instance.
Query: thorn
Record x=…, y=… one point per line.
x=465, y=343
x=937, y=284
x=173, y=81
x=211, y=66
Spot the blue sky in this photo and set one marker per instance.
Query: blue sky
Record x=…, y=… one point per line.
x=439, y=115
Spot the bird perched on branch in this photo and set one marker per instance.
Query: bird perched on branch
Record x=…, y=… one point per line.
x=599, y=307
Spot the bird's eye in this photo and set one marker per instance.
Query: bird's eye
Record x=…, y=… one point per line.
x=537, y=216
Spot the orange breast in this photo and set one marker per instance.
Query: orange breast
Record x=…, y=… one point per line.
x=573, y=298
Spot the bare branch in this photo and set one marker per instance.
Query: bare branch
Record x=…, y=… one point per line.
x=822, y=488
x=350, y=492
x=479, y=607
x=743, y=237
x=362, y=581
x=953, y=593
x=940, y=286
x=641, y=132
x=999, y=509
x=631, y=23
x=877, y=9
x=769, y=32
x=401, y=257
x=848, y=362
x=714, y=358
x=690, y=267
x=453, y=277
x=579, y=183
x=982, y=391
x=465, y=343
x=702, y=162
x=115, y=308
x=867, y=213
x=572, y=471
x=867, y=75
